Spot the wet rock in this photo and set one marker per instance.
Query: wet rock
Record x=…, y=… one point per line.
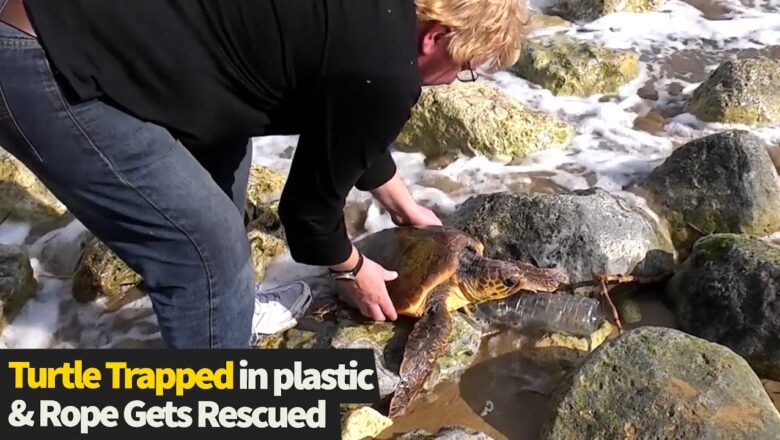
x=729, y=292
x=265, y=184
x=477, y=119
x=390, y=339
x=724, y=182
x=363, y=423
x=265, y=247
x=578, y=343
x=581, y=232
x=652, y=122
x=17, y=284
x=675, y=89
x=60, y=250
x=589, y=10
x=446, y=433
x=262, y=198
x=569, y=66
x=22, y=196
x=740, y=91
x=341, y=327
x=101, y=273
x=542, y=21
x=661, y=383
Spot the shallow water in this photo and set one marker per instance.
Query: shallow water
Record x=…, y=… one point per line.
x=619, y=139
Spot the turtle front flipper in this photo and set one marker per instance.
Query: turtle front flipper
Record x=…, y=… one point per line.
x=423, y=347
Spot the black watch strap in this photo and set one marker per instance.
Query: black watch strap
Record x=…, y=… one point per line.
x=348, y=275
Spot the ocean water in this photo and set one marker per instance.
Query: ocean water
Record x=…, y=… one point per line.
x=679, y=45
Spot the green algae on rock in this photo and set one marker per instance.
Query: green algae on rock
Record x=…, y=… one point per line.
x=22, y=196
x=17, y=283
x=661, y=383
x=728, y=292
x=478, y=119
x=724, y=182
x=589, y=10
x=389, y=339
x=262, y=198
x=740, y=91
x=101, y=273
x=265, y=247
x=344, y=328
x=570, y=66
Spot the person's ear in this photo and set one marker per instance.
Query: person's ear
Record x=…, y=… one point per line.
x=433, y=37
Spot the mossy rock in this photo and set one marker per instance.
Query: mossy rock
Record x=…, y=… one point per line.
x=17, y=283
x=661, y=383
x=569, y=66
x=262, y=198
x=344, y=328
x=23, y=196
x=101, y=273
x=743, y=91
x=589, y=10
x=720, y=183
x=477, y=119
x=265, y=247
x=728, y=292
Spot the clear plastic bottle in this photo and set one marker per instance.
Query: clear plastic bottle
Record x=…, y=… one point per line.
x=577, y=315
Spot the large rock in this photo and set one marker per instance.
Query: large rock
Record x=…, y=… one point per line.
x=724, y=182
x=22, y=196
x=17, y=284
x=445, y=433
x=588, y=10
x=478, y=119
x=569, y=66
x=740, y=91
x=729, y=292
x=582, y=232
x=344, y=328
x=661, y=383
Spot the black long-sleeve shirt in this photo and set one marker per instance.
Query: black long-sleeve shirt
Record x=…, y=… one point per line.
x=340, y=73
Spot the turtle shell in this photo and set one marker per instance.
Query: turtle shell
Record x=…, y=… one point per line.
x=424, y=258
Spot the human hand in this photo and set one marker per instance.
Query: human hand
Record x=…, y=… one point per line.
x=368, y=291
x=416, y=215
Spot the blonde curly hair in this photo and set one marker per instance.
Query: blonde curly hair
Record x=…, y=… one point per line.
x=488, y=31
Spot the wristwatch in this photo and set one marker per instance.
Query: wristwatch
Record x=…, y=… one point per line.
x=347, y=275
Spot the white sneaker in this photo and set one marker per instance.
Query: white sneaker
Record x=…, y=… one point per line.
x=278, y=309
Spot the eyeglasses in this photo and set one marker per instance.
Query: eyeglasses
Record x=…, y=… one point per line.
x=468, y=75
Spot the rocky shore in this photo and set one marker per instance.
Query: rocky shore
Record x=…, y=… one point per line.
x=708, y=215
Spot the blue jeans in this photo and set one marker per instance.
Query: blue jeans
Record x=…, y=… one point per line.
x=174, y=215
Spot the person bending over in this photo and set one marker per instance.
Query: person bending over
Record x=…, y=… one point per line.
x=138, y=115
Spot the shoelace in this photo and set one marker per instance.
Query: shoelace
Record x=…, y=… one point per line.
x=264, y=297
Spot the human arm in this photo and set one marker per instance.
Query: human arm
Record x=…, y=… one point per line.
x=346, y=135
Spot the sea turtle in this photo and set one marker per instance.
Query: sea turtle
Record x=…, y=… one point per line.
x=442, y=269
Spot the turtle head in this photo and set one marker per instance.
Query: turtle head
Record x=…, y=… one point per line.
x=497, y=279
